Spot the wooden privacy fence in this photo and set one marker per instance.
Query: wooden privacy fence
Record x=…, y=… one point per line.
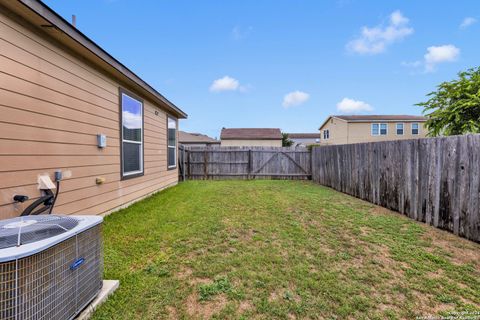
x=433, y=180
x=244, y=163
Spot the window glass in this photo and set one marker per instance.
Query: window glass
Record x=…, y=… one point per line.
x=172, y=143
x=383, y=129
x=375, y=129
x=400, y=129
x=415, y=128
x=132, y=135
x=326, y=134
x=131, y=158
x=131, y=118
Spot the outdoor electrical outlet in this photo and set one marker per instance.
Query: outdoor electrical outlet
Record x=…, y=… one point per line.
x=101, y=140
x=58, y=175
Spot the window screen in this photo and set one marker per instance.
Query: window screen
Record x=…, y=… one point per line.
x=400, y=129
x=132, y=135
x=415, y=128
x=383, y=129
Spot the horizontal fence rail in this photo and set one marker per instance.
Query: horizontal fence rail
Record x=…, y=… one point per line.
x=433, y=180
x=244, y=163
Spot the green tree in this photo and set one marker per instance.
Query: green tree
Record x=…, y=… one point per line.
x=286, y=142
x=454, y=108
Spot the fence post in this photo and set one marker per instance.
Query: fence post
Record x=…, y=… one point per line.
x=188, y=165
x=205, y=164
x=311, y=163
x=249, y=164
x=183, y=164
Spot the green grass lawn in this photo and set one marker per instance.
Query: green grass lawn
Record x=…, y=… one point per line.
x=280, y=250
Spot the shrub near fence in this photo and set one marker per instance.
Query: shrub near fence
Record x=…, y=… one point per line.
x=433, y=180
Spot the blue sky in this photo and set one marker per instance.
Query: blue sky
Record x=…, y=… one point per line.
x=286, y=64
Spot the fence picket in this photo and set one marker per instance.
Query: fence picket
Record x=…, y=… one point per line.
x=433, y=180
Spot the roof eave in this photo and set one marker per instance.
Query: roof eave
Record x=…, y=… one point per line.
x=47, y=14
x=247, y=138
x=325, y=122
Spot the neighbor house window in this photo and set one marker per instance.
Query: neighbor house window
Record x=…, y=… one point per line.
x=132, y=135
x=172, y=143
x=383, y=129
x=326, y=134
x=415, y=128
x=379, y=129
x=399, y=129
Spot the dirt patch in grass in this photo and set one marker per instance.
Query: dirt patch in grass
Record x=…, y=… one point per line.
x=459, y=251
x=205, y=309
x=284, y=295
x=184, y=273
x=172, y=313
x=244, y=306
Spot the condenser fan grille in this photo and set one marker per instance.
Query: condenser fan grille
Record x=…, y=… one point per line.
x=28, y=229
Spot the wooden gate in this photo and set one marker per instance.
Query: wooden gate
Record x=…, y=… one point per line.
x=245, y=163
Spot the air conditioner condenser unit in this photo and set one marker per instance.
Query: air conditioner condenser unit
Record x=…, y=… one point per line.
x=50, y=266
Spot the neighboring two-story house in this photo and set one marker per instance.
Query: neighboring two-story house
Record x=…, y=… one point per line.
x=371, y=128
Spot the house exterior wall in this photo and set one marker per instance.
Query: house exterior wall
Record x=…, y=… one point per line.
x=251, y=143
x=338, y=130
x=52, y=106
x=361, y=132
x=342, y=132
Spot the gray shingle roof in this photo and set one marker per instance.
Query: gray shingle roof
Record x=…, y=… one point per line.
x=186, y=137
x=381, y=117
x=251, y=134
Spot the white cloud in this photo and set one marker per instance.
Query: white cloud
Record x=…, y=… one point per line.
x=295, y=98
x=467, y=22
x=375, y=40
x=350, y=106
x=131, y=120
x=225, y=84
x=440, y=54
x=435, y=55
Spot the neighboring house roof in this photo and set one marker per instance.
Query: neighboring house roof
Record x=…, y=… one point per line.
x=40, y=15
x=186, y=137
x=304, y=135
x=251, y=134
x=372, y=118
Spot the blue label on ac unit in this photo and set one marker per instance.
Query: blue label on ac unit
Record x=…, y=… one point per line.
x=77, y=264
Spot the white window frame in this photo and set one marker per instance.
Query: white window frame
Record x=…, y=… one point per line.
x=168, y=141
x=371, y=129
x=403, y=128
x=380, y=129
x=326, y=134
x=379, y=124
x=418, y=128
x=131, y=174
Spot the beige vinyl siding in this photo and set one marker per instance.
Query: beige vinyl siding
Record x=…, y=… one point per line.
x=343, y=132
x=362, y=132
x=338, y=131
x=251, y=143
x=52, y=106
